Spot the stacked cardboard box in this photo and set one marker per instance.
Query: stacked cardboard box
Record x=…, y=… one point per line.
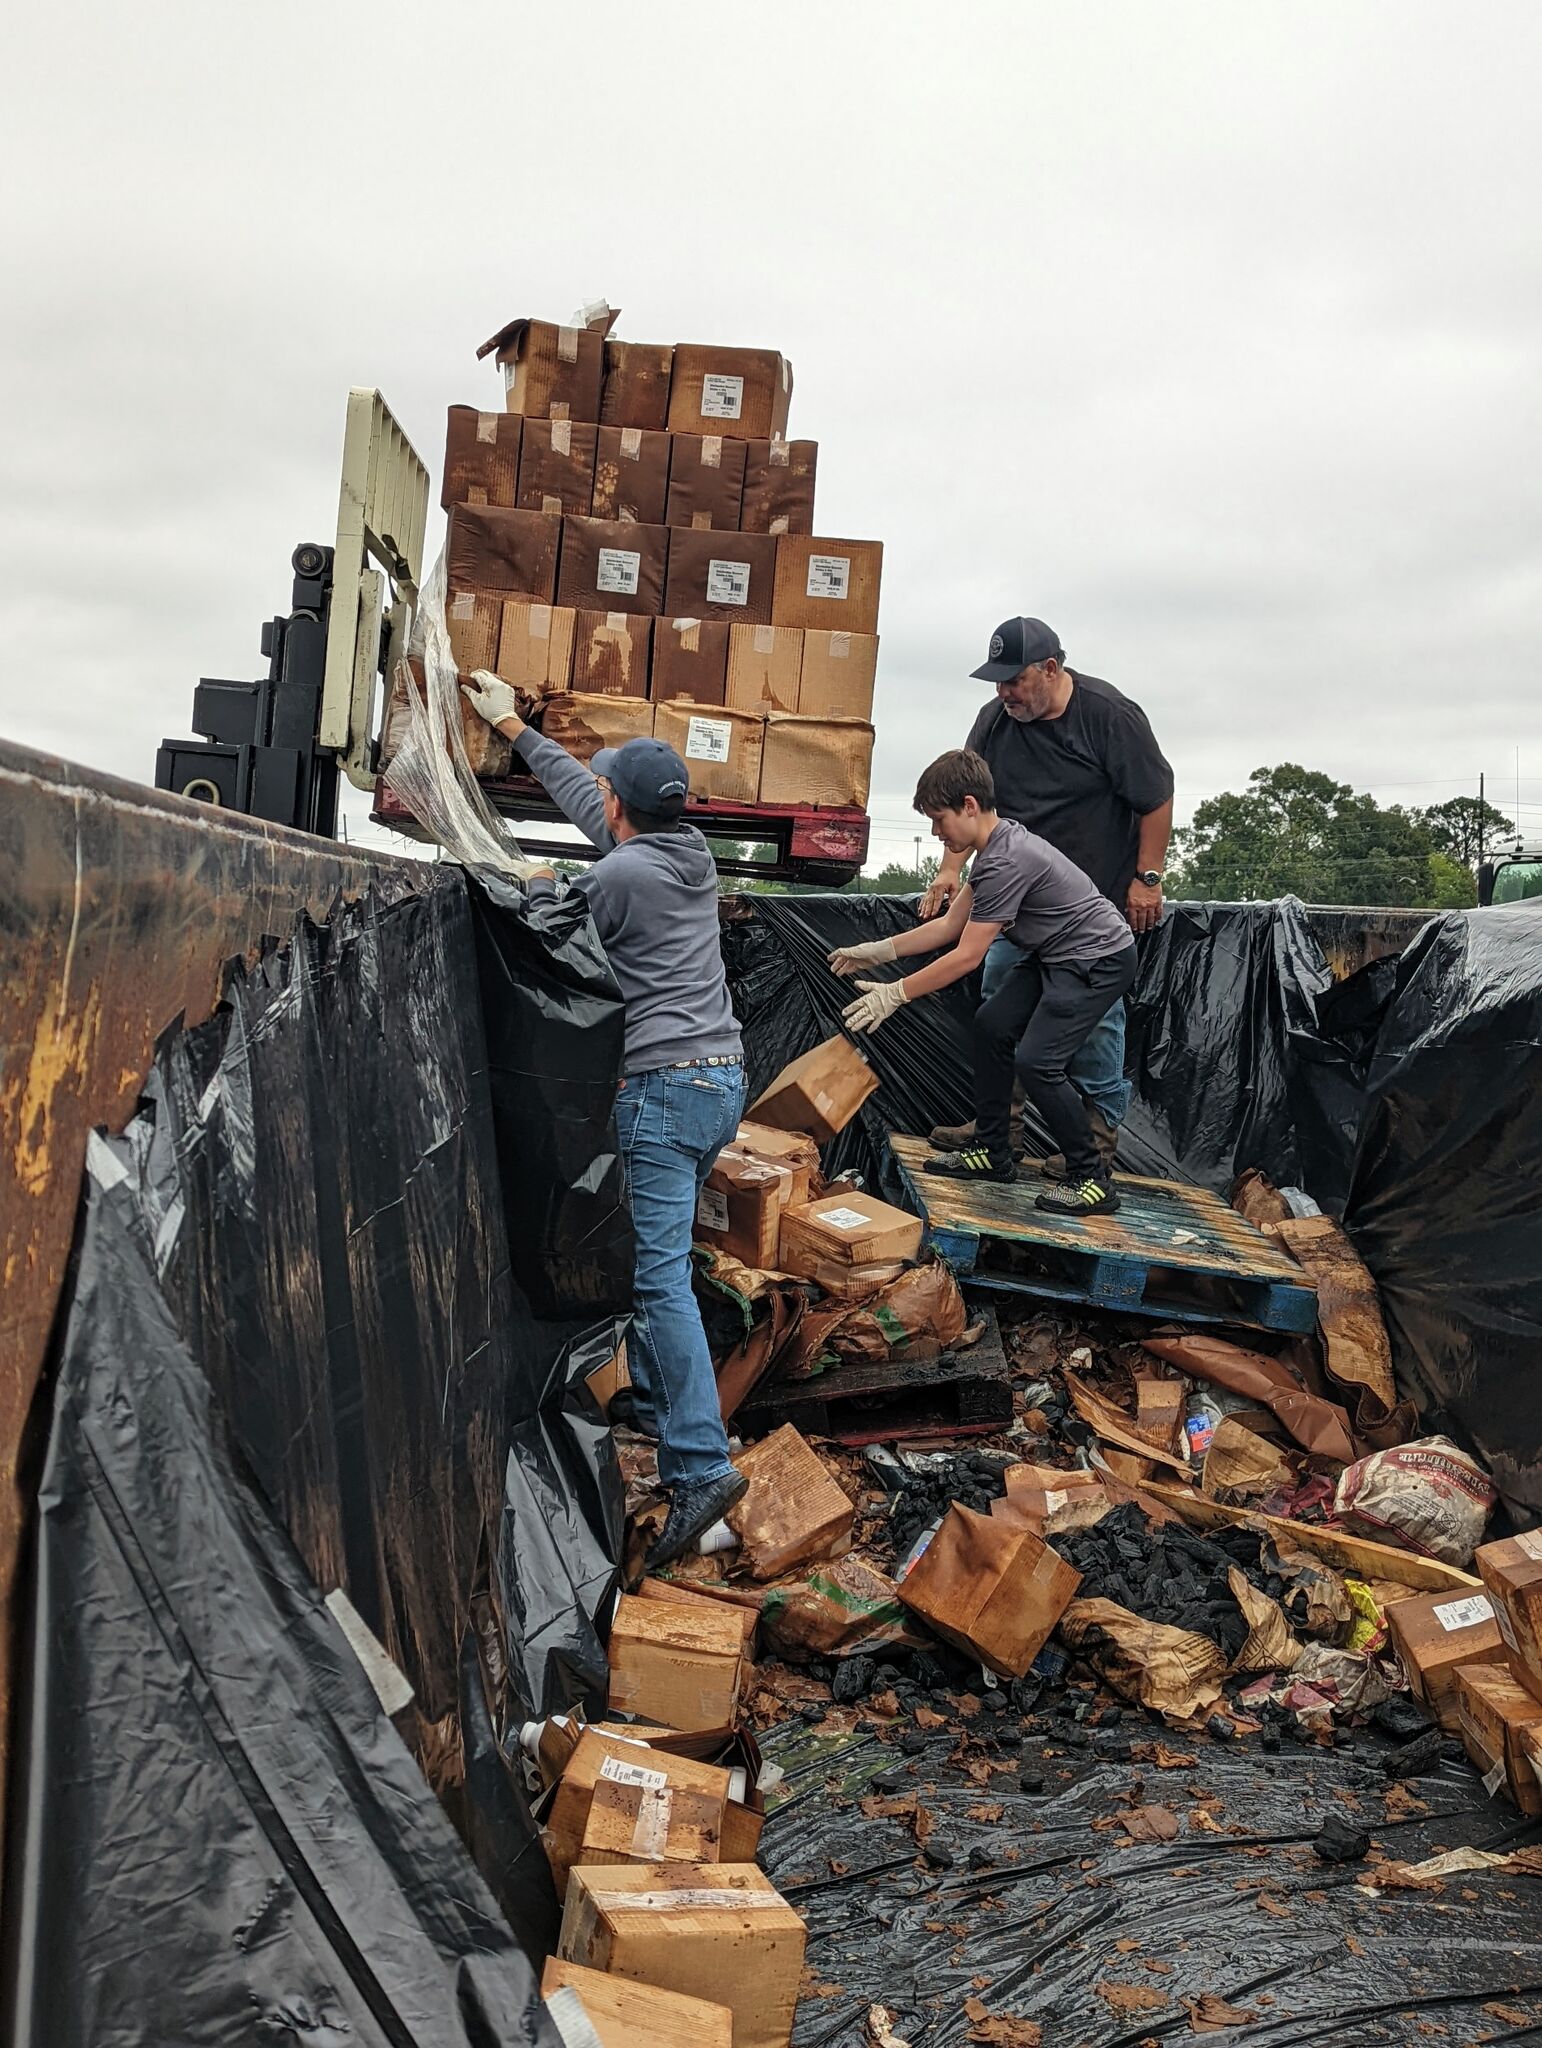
x=674, y=559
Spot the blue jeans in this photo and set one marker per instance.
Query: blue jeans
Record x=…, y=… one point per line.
x=1098, y=1069
x=671, y=1125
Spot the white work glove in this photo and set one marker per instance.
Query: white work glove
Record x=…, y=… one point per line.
x=880, y=999
x=873, y=953
x=935, y=900
x=490, y=695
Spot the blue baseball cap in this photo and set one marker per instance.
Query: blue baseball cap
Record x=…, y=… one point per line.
x=647, y=775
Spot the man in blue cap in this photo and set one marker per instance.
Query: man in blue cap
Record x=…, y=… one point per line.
x=653, y=897
x=1076, y=762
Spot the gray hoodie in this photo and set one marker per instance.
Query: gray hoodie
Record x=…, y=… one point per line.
x=654, y=904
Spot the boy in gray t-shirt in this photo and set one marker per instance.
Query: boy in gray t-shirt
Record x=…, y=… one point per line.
x=1083, y=961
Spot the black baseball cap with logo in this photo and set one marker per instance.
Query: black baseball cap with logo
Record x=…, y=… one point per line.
x=1015, y=645
x=646, y=774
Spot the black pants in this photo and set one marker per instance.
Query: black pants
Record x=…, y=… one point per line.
x=1034, y=1025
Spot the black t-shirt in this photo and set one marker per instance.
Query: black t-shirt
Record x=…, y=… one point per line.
x=1082, y=781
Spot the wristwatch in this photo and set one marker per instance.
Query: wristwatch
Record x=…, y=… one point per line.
x=1152, y=877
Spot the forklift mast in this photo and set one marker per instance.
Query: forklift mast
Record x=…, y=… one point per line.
x=273, y=748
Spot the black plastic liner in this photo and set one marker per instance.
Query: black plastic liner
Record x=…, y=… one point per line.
x=1446, y=1200
x=1046, y=1908
x=216, y=1835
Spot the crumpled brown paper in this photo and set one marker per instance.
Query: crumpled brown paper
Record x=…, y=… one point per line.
x=1317, y=1425
x=1172, y=1671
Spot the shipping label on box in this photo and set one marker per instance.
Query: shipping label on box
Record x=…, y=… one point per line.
x=742, y=393
x=827, y=584
x=631, y=476
x=779, y=486
x=765, y=664
x=720, y=748
x=535, y=645
x=481, y=458
x=739, y=1210
x=613, y=565
x=721, y=576
x=852, y=1228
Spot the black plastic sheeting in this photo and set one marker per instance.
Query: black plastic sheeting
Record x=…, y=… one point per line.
x=1446, y=1199
x=395, y=1285
x=1043, y=1914
x=216, y=1835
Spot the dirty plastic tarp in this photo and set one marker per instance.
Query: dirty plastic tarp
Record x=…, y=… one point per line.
x=1048, y=1906
x=1446, y=1200
x=316, y=1169
x=216, y=1833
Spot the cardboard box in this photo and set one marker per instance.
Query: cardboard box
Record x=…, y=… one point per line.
x=1493, y=1707
x=794, y=1512
x=816, y=761
x=739, y=1209
x=675, y=1665
x=838, y=674
x=720, y=748
x=779, y=486
x=481, y=458
x=626, y=2014
x=535, y=645
x=690, y=659
x=487, y=751
x=610, y=654
x=631, y=476
x=706, y=482
x=583, y=724
x=607, y=1380
x=549, y=372
x=556, y=466
x=849, y=1228
x=735, y=1752
x=686, y=1806
x=992, y=1587
x=727, y=576
x=852, y=1283
x=493, y=547
x=791, y=1149
x=614, y=565
x=1436, y=1634
x=819, y=1092
x=743, y=393
x=1512, y=1572
x=636, y=388
x=473, y=620
x=827, y=585
x=1159, y=1407
x=676, y=1595
x=1051, y=1500
x=764, y=665
x=731, y=1937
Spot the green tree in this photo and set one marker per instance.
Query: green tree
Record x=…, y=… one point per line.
x=1466, y=829
x=1294, y=831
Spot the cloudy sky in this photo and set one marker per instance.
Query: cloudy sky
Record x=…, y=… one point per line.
x=1211, y=333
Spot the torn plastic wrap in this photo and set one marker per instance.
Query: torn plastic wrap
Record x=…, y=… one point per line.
x=216, y=1835
x=1446, y=1201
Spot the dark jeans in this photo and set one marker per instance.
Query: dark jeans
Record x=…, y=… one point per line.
x=1034, y=1025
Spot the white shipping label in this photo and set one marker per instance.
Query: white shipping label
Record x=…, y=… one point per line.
x=1531, y=1543
x=728, y=582
x=712, y=1209
x=828, y=576
x=508, y=376
x=463, y=605
x=621, y=1773
x=487, y=425
x=844, y=1219
x=1503, y=1621
x=1464, y=1613
x=722, y=398
x=708, y=739
x=618, y=571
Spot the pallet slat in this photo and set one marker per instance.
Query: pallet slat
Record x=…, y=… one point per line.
x=962, y=1393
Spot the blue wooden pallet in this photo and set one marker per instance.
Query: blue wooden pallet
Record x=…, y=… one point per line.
x=1170, y=1252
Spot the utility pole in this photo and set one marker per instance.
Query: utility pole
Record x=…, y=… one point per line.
x=1481, y=834
x=918, y=856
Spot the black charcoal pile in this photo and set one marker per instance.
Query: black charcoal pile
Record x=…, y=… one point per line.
x=917, y=1499
x=1168, y=1574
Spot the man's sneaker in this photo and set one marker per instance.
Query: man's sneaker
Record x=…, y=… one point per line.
x=692, y=1511
x=975, y=1163
x=1104, y=1135
x=1089, y=1197
x=952, y=1137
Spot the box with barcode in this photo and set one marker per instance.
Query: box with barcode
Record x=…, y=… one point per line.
x=706, y=482
x=742, y=393
x=827, y=585
x=680, y=1820
x=719, y=1931
x=556, y=466
x=838, y=674
x=690, y=659
x=481, y=458
x=764, y=667
x=613, y=565
x=739, y=1209
x=549, y=372
x=720, y=748
x=779, y=486
x=1435, y=1634
x=1512, y=1572
x=610, y=654
x=631, y=475
x=727, y=576
x=622, y=2013
x=850, y=1228
x=535, y=645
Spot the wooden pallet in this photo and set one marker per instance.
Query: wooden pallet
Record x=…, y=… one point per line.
x=962, y=1393
x=1171, y=1252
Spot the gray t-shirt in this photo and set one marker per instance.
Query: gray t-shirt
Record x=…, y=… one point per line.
x=1042, y=901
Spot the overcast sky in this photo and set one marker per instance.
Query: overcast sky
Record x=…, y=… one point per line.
x=1212, y=333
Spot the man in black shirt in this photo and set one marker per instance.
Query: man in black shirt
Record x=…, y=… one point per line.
x=1075, y=762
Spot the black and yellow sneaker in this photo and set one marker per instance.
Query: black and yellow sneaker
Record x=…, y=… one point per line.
x=1089, y=1197
x=974, y=1162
